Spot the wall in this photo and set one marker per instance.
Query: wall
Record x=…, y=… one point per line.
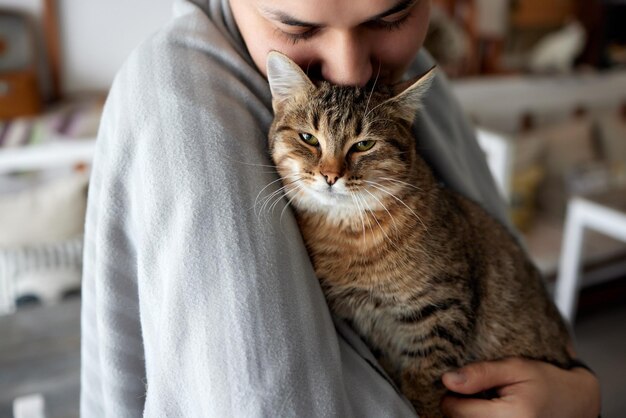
x=97, y=35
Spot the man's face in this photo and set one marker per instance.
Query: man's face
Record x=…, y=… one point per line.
x=346, y=42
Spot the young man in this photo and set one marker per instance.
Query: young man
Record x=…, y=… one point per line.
x=194, y=304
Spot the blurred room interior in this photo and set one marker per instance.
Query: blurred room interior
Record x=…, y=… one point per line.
x=543, y=82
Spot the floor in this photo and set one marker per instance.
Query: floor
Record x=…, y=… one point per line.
x=600, y=330
x=40, y=353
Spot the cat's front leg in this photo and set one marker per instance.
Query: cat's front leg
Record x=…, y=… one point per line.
x=424, y=390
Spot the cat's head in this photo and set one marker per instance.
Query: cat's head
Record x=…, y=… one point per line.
x=341, y=148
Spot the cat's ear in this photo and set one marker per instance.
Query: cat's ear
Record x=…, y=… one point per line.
x=408, y=98
x=285, y=77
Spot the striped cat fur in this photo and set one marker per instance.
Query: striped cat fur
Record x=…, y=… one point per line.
x=427, y=278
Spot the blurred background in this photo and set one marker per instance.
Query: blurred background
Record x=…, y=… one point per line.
x=543, y=82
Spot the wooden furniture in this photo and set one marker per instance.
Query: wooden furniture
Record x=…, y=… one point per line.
x=485, y=45
x=19, y=94
x=19, y=85
x=53, y=45
x=21, y=88
x=541, y=13
x=463, y=12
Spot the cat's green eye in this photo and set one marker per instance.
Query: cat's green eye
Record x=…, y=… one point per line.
x=309, y=139
x=363, y=145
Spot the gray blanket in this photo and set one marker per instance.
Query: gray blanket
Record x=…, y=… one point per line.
x=194, y=304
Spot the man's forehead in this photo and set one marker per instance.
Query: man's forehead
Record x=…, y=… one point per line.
x=330, y=12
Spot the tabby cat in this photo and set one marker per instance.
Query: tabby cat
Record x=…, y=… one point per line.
x=427, y=278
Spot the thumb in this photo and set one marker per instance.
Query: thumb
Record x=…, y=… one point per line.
x=478, y=377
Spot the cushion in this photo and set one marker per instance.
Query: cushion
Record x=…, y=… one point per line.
x=50, y=212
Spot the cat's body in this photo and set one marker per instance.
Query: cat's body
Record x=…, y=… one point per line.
x=427, y=278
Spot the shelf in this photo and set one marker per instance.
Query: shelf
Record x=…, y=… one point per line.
x=52, y=154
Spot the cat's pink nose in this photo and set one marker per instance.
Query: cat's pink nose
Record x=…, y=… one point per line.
x=331, y=178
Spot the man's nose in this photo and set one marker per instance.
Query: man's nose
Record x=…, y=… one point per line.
x=347, y=61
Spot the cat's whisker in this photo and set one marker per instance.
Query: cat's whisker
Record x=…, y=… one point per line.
x=356, y=202
x=385, y=208
x=287, y=191
x=276, y=198
x=393, y=244
x=382, y=189
x=371, y=215
x=402, y=182
x=389, y=240
x=372, y=109
x=298, y=188
x=397, y=230
x=373, y=87
x=358, y=211
x=268, y=197
x=256, y=199
x=269, y=201
x=250, y=164
x=275, y=195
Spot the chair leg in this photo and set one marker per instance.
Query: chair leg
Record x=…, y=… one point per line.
x=567, y=282
x=582, y=214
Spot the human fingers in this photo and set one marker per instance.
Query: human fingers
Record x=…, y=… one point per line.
x=478, y=377
x=455, y=407
x=526, y=388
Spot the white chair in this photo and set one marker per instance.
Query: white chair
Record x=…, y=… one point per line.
x=498, y=150
x=582, y=214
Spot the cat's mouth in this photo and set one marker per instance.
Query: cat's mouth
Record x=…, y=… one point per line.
x=330, y=193
x=329, y=196
x=337, y=200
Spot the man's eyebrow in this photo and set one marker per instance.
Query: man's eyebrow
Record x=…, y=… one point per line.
x=400, y=7
x=288, y=20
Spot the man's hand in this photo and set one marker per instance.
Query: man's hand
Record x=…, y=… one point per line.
x=526, y=388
